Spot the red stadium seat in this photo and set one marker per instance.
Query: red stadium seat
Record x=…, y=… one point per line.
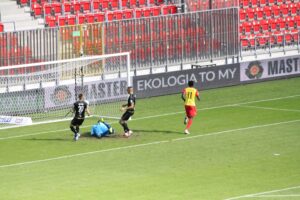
x=284, y=9
x=295, y=35
x=264, y=26
x=36, y=10
x=297, y=21
x=287, y=37
x=281, y=23
x=67, y=7
x=247, y=27
x=1, y=28
x=95, y=4
x=261, y=40
x=104, y=4
x=168, y=9
x=146, y=12
x=292, y=9
x=242, y=15
x=252, y=40
x=47, y=9
x=75, y=7
x=278, y=2
x=57, y=7
x=253, y=3
x=244, y=41
x=61, y=20
x=258, y=13
x=290, y=23
x=278, y=37
x=155, y=11
x=71, y=19
x=244, y=3
x=127, y=14
x=81, y=18
x=267, y=12
x=100, y=17
x=50, y=21
x=256, y=27
x=272, y=24
x=85, y=5
x=262, y=3
x=250, y=13
x=137, y=13
x=270, y=2
x=276, y=10
x=90, y=18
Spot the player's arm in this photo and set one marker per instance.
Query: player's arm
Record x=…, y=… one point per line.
x=197, y=95
x=88, y=110
x=183, y=95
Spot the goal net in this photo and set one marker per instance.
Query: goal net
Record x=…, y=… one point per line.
x=46, y=91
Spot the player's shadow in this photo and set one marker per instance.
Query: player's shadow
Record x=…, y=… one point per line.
x=157, y=131
x=88, y=135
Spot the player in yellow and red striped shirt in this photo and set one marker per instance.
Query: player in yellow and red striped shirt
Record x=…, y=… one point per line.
x=189, y=95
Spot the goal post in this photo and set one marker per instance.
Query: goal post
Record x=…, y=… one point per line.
x=46, y=91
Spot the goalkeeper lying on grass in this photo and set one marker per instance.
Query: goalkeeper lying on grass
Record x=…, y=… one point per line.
x=101, y=129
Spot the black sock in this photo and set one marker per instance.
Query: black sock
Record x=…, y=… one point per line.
x=125, y=126
x=73, y=129
x=77, y=129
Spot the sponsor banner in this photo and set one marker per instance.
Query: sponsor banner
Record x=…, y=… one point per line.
x=271, y=68
x=94, y=91
x=15, y=120
x=174, y=82
x=22, y=102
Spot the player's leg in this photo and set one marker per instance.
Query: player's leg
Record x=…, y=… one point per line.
x=73, y=126
x=123, y=122
x=191, y=113
x=186, y=119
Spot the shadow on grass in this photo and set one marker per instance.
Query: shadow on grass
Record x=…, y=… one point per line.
x=156, y=131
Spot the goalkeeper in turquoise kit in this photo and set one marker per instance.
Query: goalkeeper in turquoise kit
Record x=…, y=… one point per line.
x=101, y=129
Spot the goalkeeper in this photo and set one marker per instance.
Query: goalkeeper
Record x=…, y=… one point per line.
x=101, y=129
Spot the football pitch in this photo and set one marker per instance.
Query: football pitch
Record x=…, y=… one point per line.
x=244, y=144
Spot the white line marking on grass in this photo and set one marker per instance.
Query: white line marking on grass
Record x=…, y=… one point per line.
x=269, y=108
x=277, y=196
x=145, y=144
x=262, y=193
x=238, y=129
x=161, y=115
x=82, y=154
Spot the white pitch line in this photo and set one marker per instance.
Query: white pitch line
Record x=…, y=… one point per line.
x=82, y=154
x=269, y=108
x=263, y=193
x=162, y=115
x=277, y=196
x=238, y=129
x=145, y=144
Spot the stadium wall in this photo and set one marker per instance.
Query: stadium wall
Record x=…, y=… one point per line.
x=217, y=76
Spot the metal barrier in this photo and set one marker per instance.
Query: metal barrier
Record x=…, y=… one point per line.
x=156, y=41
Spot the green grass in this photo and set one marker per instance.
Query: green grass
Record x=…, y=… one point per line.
x=233, y=150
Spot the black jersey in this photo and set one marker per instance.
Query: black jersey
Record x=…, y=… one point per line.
x=130, y=101
x=80, y=108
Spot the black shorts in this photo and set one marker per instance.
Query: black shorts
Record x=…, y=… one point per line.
x=127, y=115
x=77, y=122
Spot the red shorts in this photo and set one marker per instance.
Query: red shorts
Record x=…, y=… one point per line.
x=191, y=111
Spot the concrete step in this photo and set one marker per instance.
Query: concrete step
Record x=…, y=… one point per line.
x=16, y=18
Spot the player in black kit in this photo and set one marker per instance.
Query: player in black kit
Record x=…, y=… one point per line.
x=80, y=107
x=129, y=111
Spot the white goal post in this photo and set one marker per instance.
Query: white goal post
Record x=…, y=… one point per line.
x=46, y=91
